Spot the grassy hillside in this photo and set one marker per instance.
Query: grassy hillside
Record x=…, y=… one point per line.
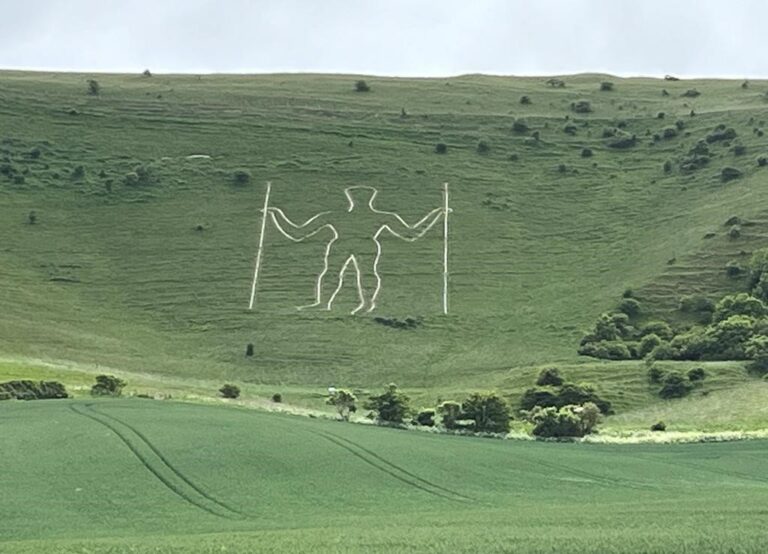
x=166, y=477
x=119, y=275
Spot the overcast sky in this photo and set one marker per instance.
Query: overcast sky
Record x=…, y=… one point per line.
x=389, y=37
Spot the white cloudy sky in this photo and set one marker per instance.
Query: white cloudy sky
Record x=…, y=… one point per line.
x=389, y=37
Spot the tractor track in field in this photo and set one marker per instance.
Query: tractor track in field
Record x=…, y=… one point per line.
x=176, y=482
x=393, y=470
x=594, y=477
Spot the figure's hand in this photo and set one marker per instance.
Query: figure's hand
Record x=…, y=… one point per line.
x=447, y=211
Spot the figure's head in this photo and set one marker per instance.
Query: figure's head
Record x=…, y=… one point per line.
x=359, y=195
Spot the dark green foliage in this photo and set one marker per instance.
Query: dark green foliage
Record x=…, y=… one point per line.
x=739, y=304
x=32, y=217
x=696, y=158
x=721, y=133
x=538, y=397
x=567, y=421
x=667, y=167
x=734, y=269
x=606, y=86
x=94, y=88
x=229, y=391
x=581, y=106
x=586, y=153
x=729, y=174
x=622, y=141
x=569, y=393
x=489, y=412
x=658, y=328
x=675, y=385
x=147, y=73
x=661, y=115
x=525, y=100
x=550, y=377
x=483, y=147
x=570, y=129
x=696, y=374
x=441, y=148
x=520, y=126
x=562, y=168
x=659, y=426
x=669, y=132
x=762, y=161
x=450, y=413
x=35, y=153
x=249, y=349
x=425, y=418
x=241, y=176
x=389, y=407
x=647, y=344
x=108, y=385
x=556, y=83
x=757, y=351
x=655, y=374
x=407, y=323
x=277, y=398
x=739, y=150
x=32, y=390
x=696, y=303
x=362, y=86
x=142, y=175
x=691, y=93
x=344, y=401
x=78, y=172
x=629, y=306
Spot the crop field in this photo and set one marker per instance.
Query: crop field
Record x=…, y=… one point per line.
x=148, y=476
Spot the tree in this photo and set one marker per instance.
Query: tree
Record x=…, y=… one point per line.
x=94, y=88
x=489, y=412
x=550, y=376
x=675, y=385
x=450, y=413
x=391, y=406
x=362, y=86
x=757, y=351
x=229, y=391
x=108, y=385
x=739, y=304
x=344, y=401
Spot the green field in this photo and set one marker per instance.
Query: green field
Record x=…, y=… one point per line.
x=148, y=476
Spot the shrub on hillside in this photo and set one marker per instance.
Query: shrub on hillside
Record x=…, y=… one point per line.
x=757, y=351
x=249, y=349
x=659, y=426
x=94, y=88
x=721, y=133
x=734, y=269
x=629, y=306
x=569, y=393
x=520, y=126
x=606, y=86
x=489, y=412
x=483, y=147
x=696, y=303
x=587, y=153
x=441, y=148
x=675, y=385
x=729, y=174
x=659, y=328
x=556, y=83
x=241, y=176
x=25, y=389
x=568, y=421
x=691, y=93
x=425, y=418
x=739, y=304
x=762, y=161
x=229, y=390
x=344, y=401
x=647, y=344
x=622, y=141
x=362, y=86
x=570, y=129
x=277, y=398
x=696, y=374
x=108, y=385
x=550, y=377
x=581, y=106
x=525, y=100
x=32, y=217
x=389, y=407
x=655, y=374
x=450, y=413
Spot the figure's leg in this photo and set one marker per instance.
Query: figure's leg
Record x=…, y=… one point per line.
x=340, y=264
x=369, y=282
x=330, y=258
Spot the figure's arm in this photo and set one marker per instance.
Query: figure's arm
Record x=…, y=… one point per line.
x=298, y=232
x=398, y=227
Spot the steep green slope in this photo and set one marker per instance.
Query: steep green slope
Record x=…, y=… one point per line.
x=119, y=274
x=144, y=476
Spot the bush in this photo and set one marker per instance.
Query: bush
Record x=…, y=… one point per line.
x=425, y=418
x=622, y=141
x=362, y=86
x=669, y=132
x=108, y=385
x=739, y=304
x=25, y=389
x=570, y=129
x=674, y=385
x=229, y=391
x=581, y=106
x=483, y=147
x=391, y=406
x=667, y=167
x=525, y=100
x=32, y=217
x=142, y=175
x=586, y=153
x=659, y=328
x=569, y=393
x=696, y=303
x=647, y=344
x=757, y=351
x=762, y=161
x=696, y=374
x=241, y=176
x=629, y=306
x=606, y=86
x=441, y=148
x=344, y=401
x=520, y=126
x=489, y=412
x=78, y=172
x=94, y=88
x=733, y=269
x=556, y=83
x=450, y=413
x=568, y=421
x=729, y=174
x=721, y=133
x=277, y=398
x=249, y=349
x=147, y=73
x=549, y=377
x=655, y=374
x=659, y=426
x=691, y=93
x=739, y=150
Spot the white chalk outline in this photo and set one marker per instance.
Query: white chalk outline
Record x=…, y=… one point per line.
x=352, y=259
